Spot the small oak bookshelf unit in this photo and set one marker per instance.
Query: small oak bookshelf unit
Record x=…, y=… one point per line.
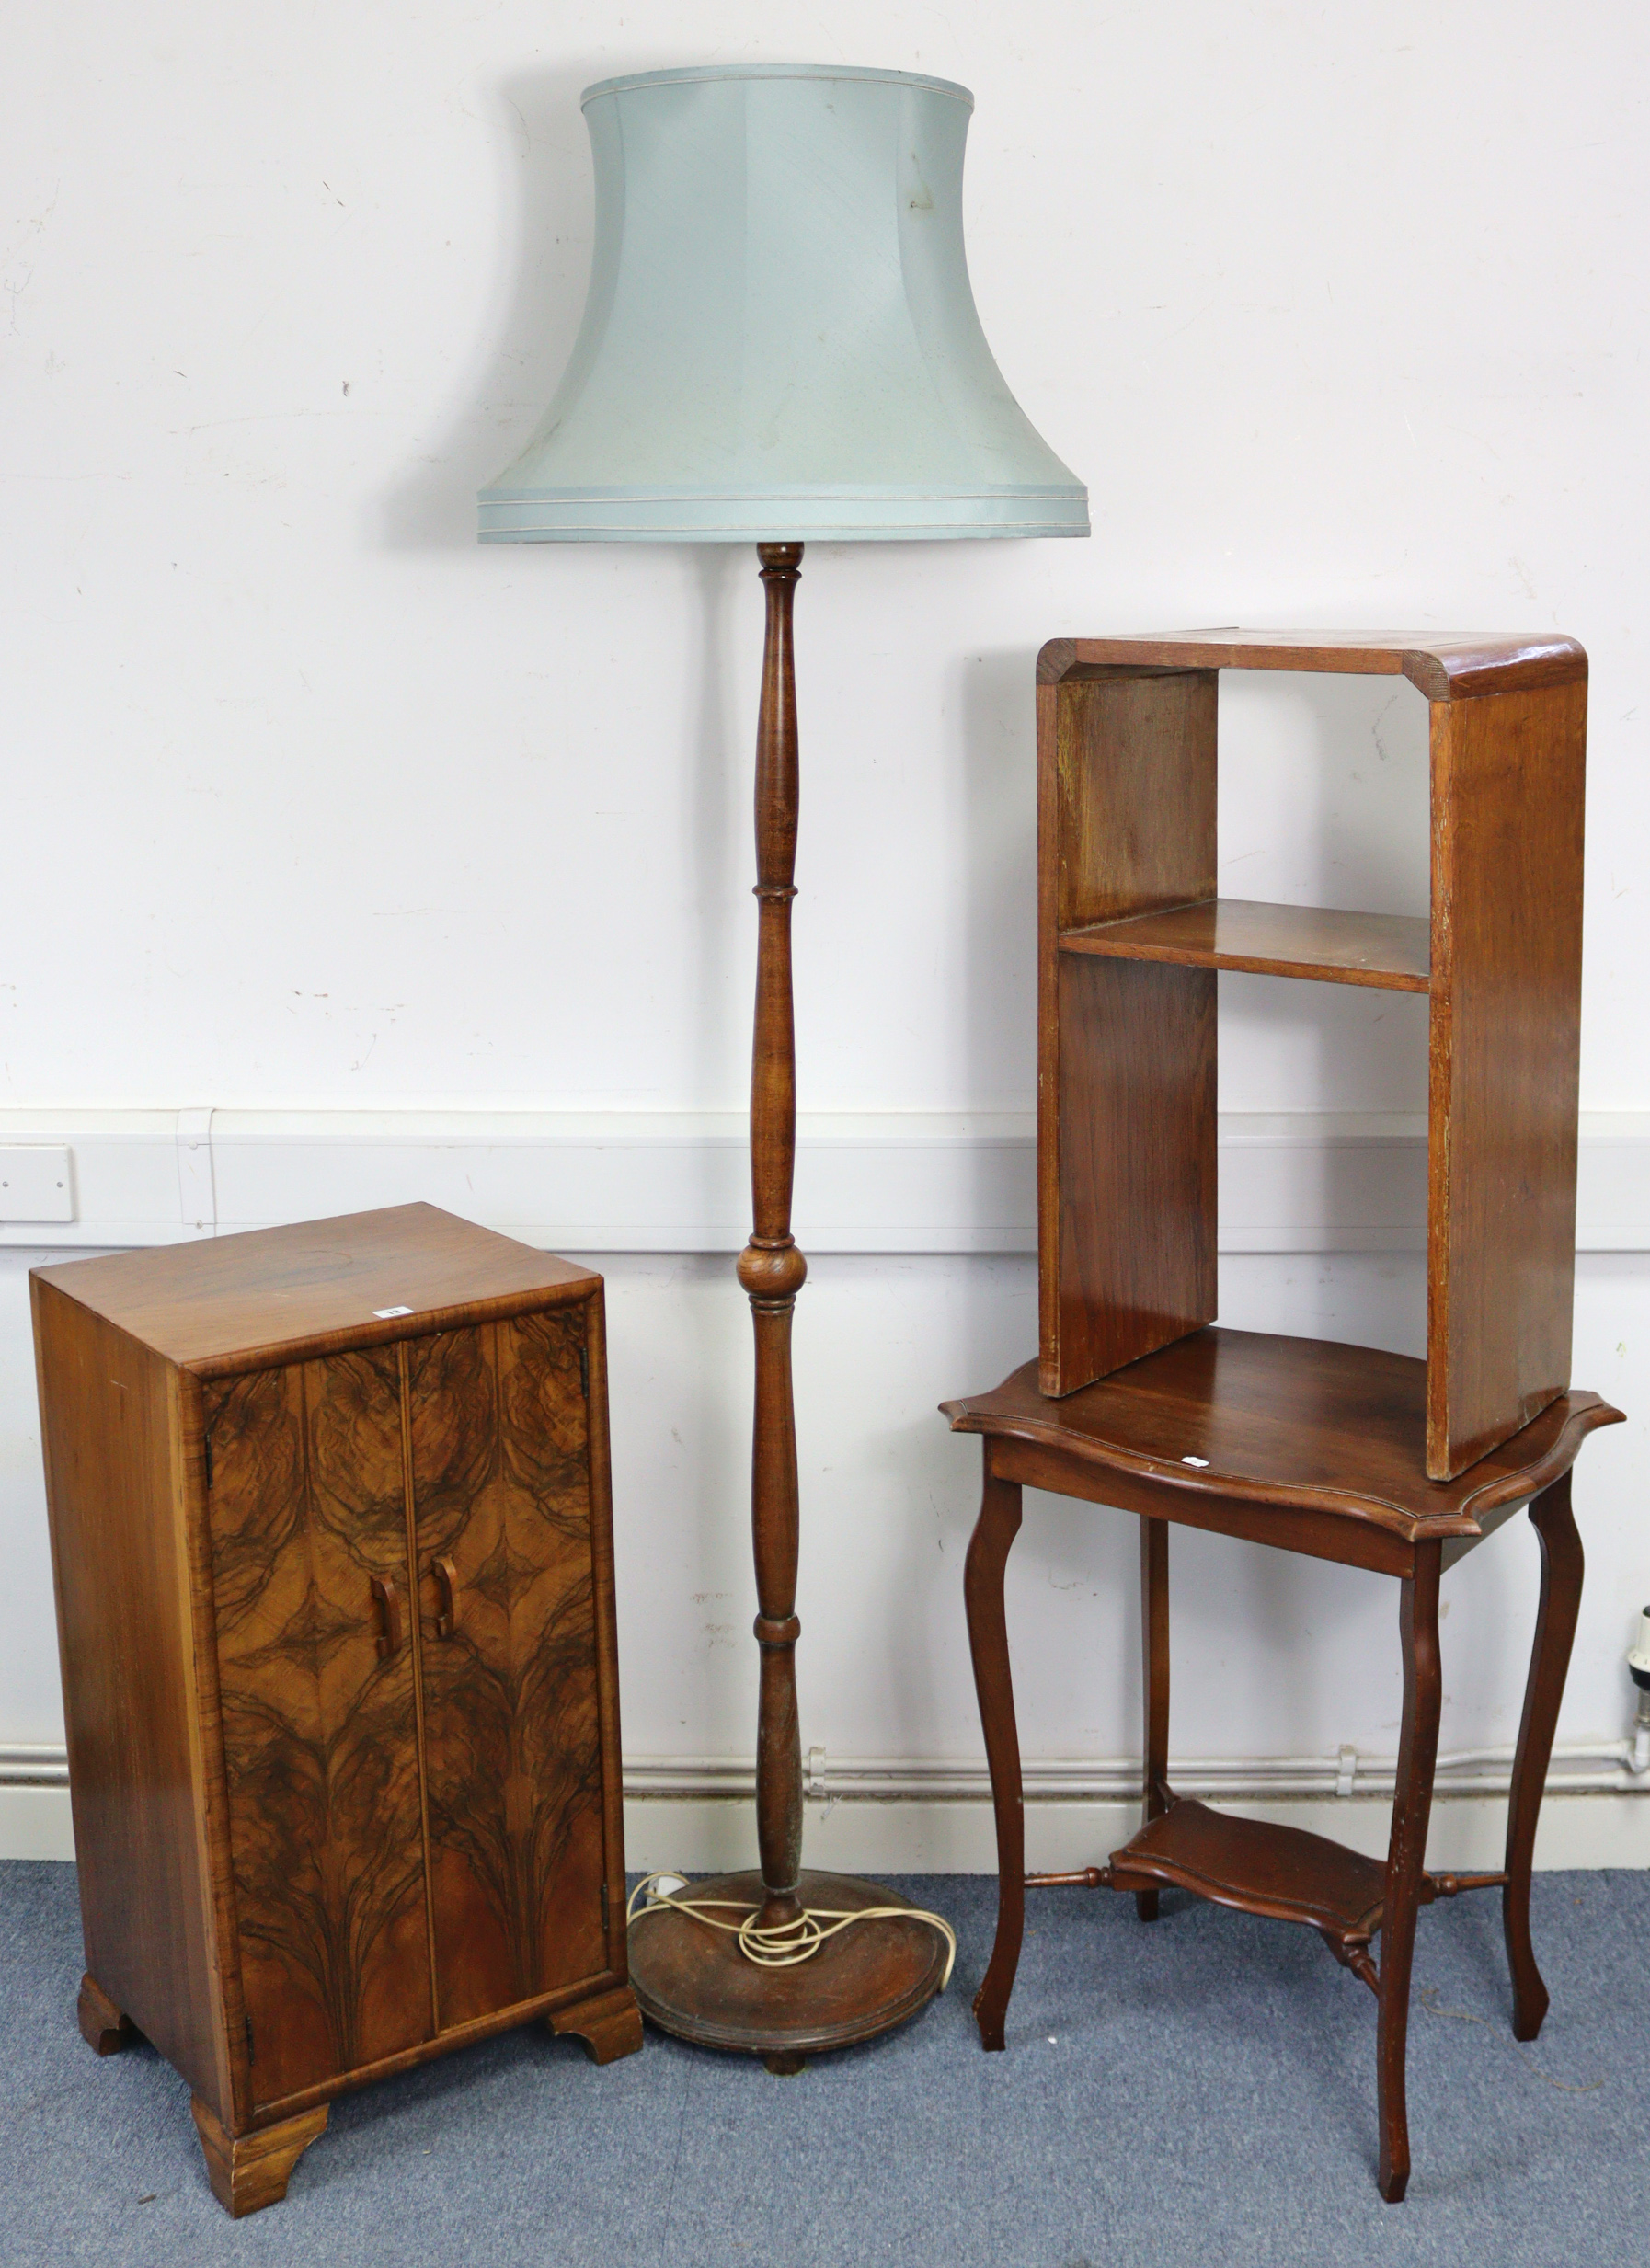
x=1132, y=935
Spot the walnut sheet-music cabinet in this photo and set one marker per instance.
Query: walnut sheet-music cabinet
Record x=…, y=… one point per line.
x=332, y=1543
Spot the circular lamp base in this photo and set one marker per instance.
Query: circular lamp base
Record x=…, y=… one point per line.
x=694, y=1981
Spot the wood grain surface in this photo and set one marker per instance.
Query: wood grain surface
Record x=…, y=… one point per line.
x=1255, y=1866
x=1563, y=1565
x=1388, y=950
x=250, y=2172
x=607, y=1646
x=216, y=1305
x=307, y=1508
x=114, y=1491
x=1285, y=1423
x=1279, y=1441
x=1508, y=797
x=105, y=2028
x=249, y=1624
x=1125, y=1205
x=1407, y=1855
x=1368, y=1459
x=1134, y=1225
x=1156, y=1793
x=1002, y=1508
x=771, y=1270
x=1455, y=668
x=610, y=2024
x=500, y=1483
x=696, y=1982
x=1125, y=1051
x=1029, y=1462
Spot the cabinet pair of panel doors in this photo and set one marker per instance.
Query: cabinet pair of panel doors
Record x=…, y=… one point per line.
x=374, y=1451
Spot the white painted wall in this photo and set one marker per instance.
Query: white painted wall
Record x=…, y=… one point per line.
x=312, y=804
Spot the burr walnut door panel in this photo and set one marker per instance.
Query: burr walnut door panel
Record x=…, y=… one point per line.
x=310, y=1575
x=498, y=1420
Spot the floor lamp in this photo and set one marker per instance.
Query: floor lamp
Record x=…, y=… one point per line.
x=779, y=345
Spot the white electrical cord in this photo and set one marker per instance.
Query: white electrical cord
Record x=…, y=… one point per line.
x=792, y=1941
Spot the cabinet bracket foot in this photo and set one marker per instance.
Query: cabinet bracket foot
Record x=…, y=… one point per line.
x=610, y=2024
x=248, y=2172
x=103, y=2026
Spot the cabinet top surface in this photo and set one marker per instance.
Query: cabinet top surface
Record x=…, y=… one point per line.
x=1446, y=667
x=274, y=1290
x=1285, y=1421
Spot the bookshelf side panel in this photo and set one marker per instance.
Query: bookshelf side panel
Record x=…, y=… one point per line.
x=1508, y=799
x=1127, y=1051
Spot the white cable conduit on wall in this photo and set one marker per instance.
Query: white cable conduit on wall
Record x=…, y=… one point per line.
x=1587, y=1768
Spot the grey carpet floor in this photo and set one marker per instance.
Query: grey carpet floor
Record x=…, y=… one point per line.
x=1198, y=2092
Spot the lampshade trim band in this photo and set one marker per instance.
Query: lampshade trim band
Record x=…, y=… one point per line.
x=707, y=72
x=788, y=532
x=1056, y=492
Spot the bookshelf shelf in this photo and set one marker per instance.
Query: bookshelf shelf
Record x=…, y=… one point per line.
x=1316, y=943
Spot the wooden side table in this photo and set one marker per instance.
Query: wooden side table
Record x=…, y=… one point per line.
x=1310, y=1447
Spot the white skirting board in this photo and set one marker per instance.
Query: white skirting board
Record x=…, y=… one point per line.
x=676, y=1181
x=955, y=1836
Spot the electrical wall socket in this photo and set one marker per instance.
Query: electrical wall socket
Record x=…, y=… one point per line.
x=35, y=1183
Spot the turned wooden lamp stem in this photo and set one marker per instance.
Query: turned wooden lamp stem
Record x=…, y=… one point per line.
x=704, y=1984
x=771, y=1268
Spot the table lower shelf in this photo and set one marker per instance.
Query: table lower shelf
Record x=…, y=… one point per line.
x=1280, y=1871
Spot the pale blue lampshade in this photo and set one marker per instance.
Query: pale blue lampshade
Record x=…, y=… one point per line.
x=780, y=341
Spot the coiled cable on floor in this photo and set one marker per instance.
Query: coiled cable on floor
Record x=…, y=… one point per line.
x=792, y=1941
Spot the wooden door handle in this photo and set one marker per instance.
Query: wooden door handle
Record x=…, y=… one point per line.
x=446, y=1584
x=389, y=1600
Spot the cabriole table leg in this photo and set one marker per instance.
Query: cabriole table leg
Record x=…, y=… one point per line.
x=1562, y=1566
x=1154, y=1682
x=1407, y=1856
x=994, y=1532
